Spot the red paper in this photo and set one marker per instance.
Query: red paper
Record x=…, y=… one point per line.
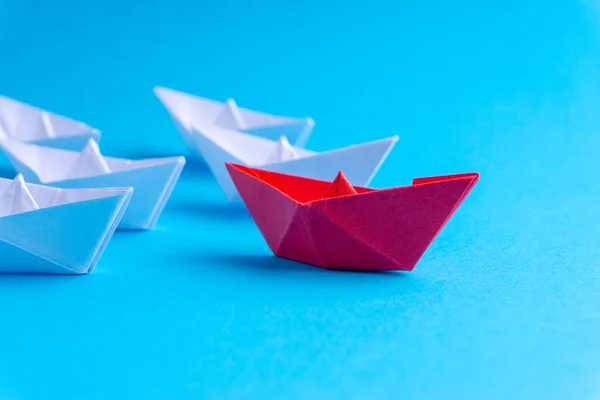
x=335, y=225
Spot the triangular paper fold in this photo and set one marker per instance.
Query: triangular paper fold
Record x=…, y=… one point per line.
x=359, y=162
x=66, y=234
x=22, y=122
x=387, y=229
x=230, y=116
x=283, y=152
x=17, y=198
x=187, y=110
x=339, y=187
x=152, y=179
x=273, y=210
x=89, y=162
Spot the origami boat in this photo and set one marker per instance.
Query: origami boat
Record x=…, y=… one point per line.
x=218, y=146
x=335, y=225
x=25, y=123
x=56, y=231
x=152, y=179
x=187, y=110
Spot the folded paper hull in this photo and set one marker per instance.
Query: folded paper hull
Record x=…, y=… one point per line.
x=297, y=133
x=373, y=230
x=65, y=239
x=152, y=179
x=185, y=110
x=73, y=143
x=152, y=186
x=28, y=124
x=316, y=166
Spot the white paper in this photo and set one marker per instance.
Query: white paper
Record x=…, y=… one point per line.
x=187, y=110
x=25, y=123
x=59, y=231
x=217, y=145
x=17, y=198
x=152, y=179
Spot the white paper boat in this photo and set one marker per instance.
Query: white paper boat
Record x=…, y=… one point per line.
x=56, y=231
x=217, y=145
x=152, y=179
x=187, y=110
x=25, y=123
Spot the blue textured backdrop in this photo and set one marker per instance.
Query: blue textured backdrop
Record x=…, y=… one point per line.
x=505, y=303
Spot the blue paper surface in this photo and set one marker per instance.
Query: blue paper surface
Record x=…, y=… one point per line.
x=504, y=304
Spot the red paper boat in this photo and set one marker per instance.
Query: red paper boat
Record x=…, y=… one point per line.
x=335, y=225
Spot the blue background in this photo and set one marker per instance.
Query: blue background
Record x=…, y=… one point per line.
x=504, y=304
